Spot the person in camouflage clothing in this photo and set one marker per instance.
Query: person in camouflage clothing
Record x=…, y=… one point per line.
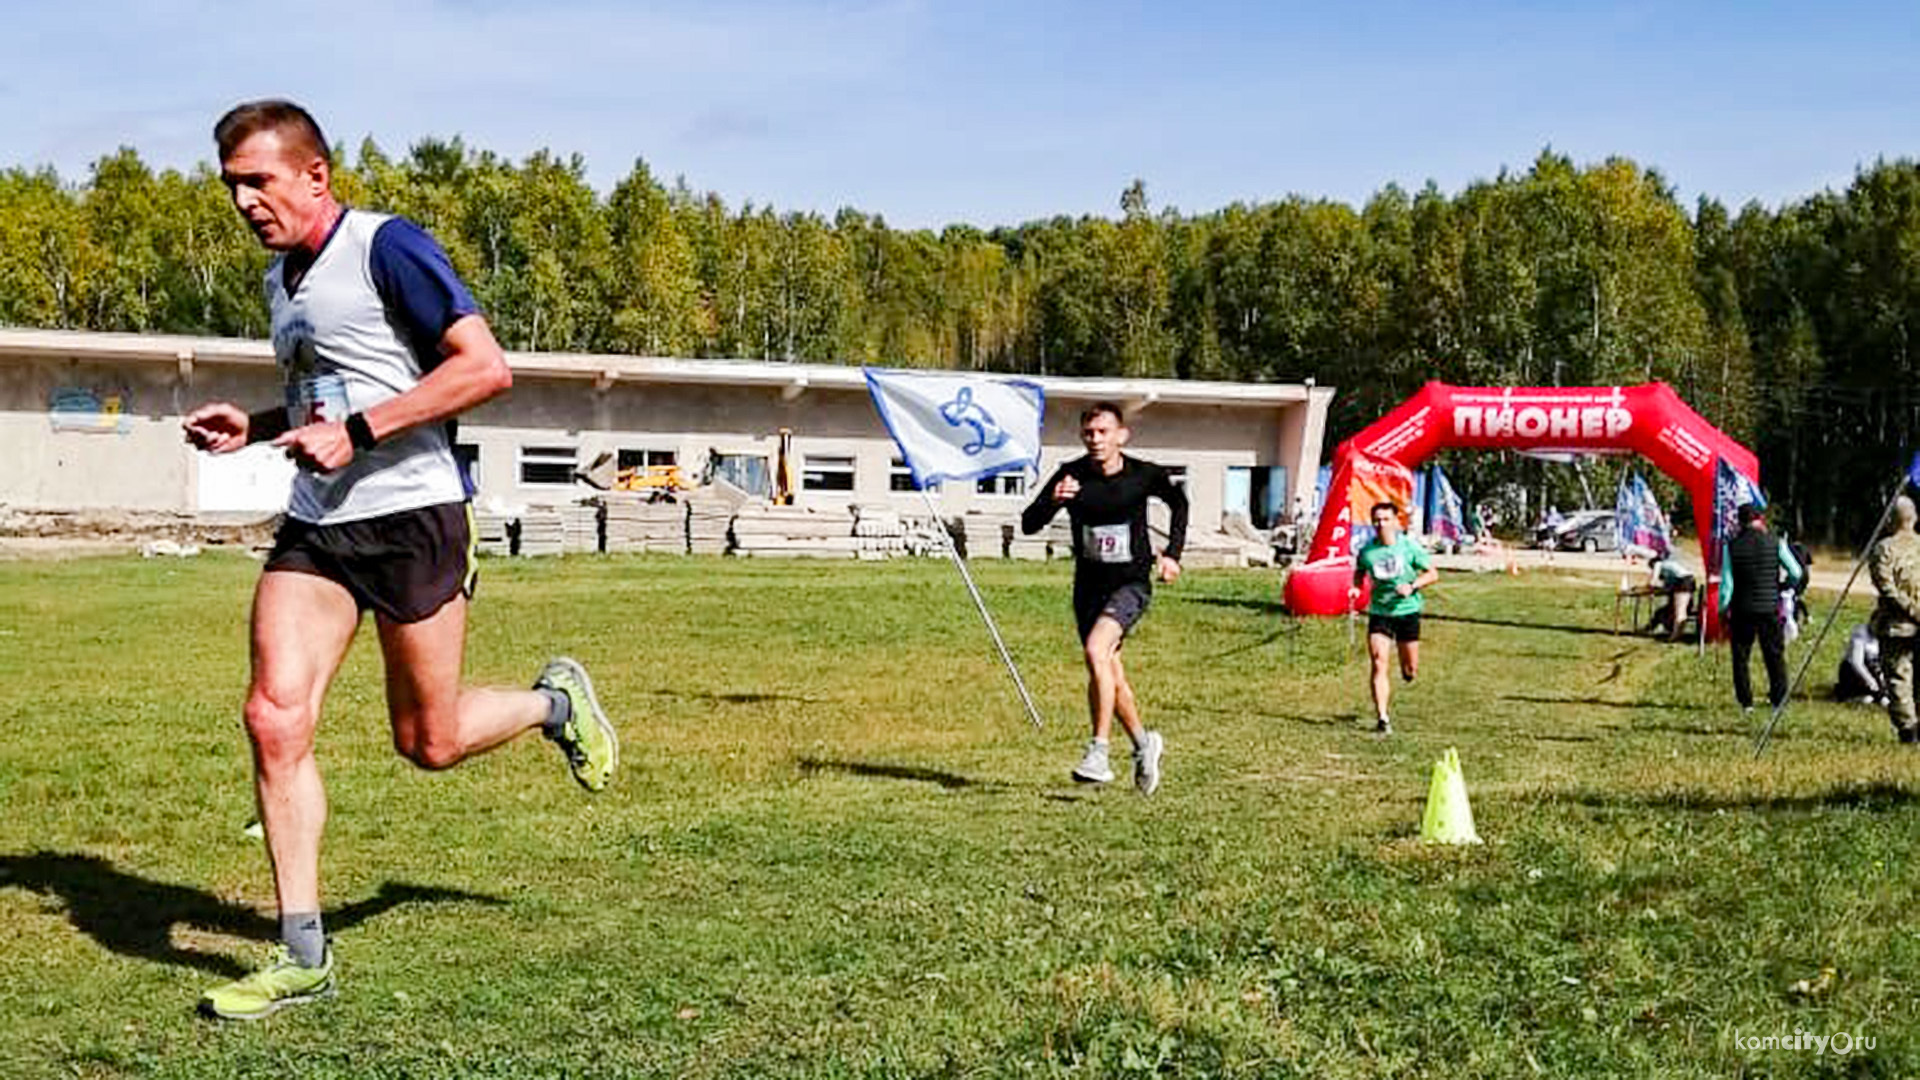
x=1895, y=566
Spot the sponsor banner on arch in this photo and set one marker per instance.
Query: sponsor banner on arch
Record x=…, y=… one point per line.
x=1578, y=418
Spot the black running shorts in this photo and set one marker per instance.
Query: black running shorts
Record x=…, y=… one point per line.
x=1397, y=627
x=405, y=566
x=1124, y=605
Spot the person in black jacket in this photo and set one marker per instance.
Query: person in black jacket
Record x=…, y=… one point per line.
x=1105, y=494
x=1751, y=565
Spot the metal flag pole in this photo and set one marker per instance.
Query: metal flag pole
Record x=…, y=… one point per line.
x=1806, y=661
x=960, y=564
x=1700, y=618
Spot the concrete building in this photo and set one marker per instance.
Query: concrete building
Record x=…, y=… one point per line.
x=92, y=421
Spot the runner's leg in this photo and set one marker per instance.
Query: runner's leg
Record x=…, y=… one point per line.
x=1102, y=655
x=1124, y=705
x=1380, y=651
x=436, y=723
x=302, y=625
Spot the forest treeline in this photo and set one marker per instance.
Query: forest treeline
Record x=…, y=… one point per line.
x=1792, y=328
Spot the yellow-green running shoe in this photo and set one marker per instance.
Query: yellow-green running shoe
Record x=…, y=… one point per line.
x=272, y=988
x=588, y=739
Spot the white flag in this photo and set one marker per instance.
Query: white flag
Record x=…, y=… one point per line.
x=958, y=427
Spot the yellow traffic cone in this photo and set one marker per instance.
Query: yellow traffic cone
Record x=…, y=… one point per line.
x=1449, y=819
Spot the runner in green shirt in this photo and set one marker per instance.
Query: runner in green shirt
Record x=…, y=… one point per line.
x=1399, y=569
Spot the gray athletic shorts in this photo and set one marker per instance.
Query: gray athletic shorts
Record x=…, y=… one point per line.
x=1124, y=605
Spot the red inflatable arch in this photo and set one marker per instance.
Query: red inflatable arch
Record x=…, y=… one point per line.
x=1648, y=420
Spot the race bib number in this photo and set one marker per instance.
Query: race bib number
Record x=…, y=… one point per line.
x=317, y=399
x=1108, y=543
x=1387, y=567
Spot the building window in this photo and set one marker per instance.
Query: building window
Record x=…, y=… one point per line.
x=827, y=474
x=547, y=465
x=640, y=459
x=748, y=472
x=1006, y=483
x=900, y=478
x=468, y=456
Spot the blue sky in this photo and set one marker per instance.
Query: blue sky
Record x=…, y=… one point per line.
x=997, y=112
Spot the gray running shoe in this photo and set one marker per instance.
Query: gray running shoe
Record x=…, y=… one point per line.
x=1383, y=727
x=1093, y=768
x=1146, y=762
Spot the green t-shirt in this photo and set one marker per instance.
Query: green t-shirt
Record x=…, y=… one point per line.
x=1390, y=565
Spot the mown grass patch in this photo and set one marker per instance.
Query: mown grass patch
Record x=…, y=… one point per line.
x=837, y=848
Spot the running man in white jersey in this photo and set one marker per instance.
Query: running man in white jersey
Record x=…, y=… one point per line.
x=381, y=346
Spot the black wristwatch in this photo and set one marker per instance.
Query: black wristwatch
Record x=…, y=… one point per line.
x=360, y=433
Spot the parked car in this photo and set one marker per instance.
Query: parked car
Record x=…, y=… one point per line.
x=1588, y=530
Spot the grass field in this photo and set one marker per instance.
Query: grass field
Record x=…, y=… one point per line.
x=837, y=849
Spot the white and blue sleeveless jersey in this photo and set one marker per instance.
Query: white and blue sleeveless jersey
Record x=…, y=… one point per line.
x=363, y=325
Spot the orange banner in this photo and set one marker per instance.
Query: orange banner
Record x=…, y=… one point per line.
x=1376, y=480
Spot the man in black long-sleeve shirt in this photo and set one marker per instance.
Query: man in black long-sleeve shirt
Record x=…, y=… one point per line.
x=1106, y=495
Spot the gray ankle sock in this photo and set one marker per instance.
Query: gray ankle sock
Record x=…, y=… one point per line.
x=559, y=711
x=306, y=940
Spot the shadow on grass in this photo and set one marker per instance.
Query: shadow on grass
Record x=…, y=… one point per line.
x=1515, y=625
x=1527, y=654
x=1603, y=702
x=1264, y=607
x=1880, y=797
x=884, y=771
x=1312, y=720
x=743, y=698
x=1352, y=718
x=135, y=917
x=1286, y=631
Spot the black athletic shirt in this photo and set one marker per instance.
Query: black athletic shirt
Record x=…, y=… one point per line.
x=1111, y=546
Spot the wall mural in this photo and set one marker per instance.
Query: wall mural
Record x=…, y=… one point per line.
x=89, y=412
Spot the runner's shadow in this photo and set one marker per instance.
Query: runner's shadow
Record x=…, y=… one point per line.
x=743, y=698
x=1321, y=720
x=1511, y=624
x=1878, y=797
x=1286, y=630
x=883, y=771
x=136, y=917
x=1351, y=718
x=1604, y=703
x=1264, y=607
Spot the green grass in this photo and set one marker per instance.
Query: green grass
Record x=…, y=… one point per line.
x=837, y=849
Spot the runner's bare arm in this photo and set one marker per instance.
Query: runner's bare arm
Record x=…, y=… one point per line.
x=221, y=427
x=474, y=370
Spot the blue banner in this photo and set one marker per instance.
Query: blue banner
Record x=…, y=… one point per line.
x=1731, y=491
x=1446, y=513
x=1638, y=520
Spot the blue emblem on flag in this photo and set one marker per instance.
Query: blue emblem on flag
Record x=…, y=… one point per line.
x=953, y=426
x=963, y=411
